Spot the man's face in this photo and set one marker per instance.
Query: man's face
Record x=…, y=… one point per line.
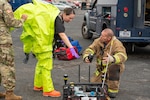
x=104, y=37
x=68, y=18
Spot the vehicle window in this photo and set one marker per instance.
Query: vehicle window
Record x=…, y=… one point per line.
x=106, y=10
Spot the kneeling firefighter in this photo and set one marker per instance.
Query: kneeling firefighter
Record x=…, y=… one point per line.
x=109, y=51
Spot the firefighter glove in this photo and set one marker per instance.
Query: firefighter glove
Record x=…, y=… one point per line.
x=25, y=60
x=74, y=53
x=110, y=58
x=90, y=57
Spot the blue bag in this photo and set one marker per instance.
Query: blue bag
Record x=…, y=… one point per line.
x=76, y=43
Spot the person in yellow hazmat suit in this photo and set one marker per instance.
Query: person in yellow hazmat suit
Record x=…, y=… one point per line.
x=7, y=66
x=111, y=54
x=38, y=36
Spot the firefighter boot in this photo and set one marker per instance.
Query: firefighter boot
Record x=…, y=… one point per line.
x=112, y=95
x=53, y=93
x=11, y=96
x=2, y=95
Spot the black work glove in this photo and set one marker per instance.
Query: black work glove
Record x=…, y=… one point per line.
x=90, y=57
x=33, y=55
x=25, y=60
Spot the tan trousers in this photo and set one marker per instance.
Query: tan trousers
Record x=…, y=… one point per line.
x=113, y=77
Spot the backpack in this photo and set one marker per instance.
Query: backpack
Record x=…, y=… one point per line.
x=64, y=53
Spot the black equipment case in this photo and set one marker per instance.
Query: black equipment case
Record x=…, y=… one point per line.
x=84, y=91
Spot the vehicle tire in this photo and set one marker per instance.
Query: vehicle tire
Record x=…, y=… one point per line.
x=85, y=31
x=141, y=44
x=128, y=47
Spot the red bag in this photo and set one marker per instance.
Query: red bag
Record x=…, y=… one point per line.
x=63, y=53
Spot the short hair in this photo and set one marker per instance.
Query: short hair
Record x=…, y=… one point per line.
x=109, y=32
x=69, y=11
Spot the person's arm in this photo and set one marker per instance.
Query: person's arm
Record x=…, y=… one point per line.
x=90, y=51
x=119, y=53
x=69, y=45
x=65, y=40
x=9, y=19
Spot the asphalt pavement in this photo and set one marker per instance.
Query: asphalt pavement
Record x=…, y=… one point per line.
x=135, y=81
